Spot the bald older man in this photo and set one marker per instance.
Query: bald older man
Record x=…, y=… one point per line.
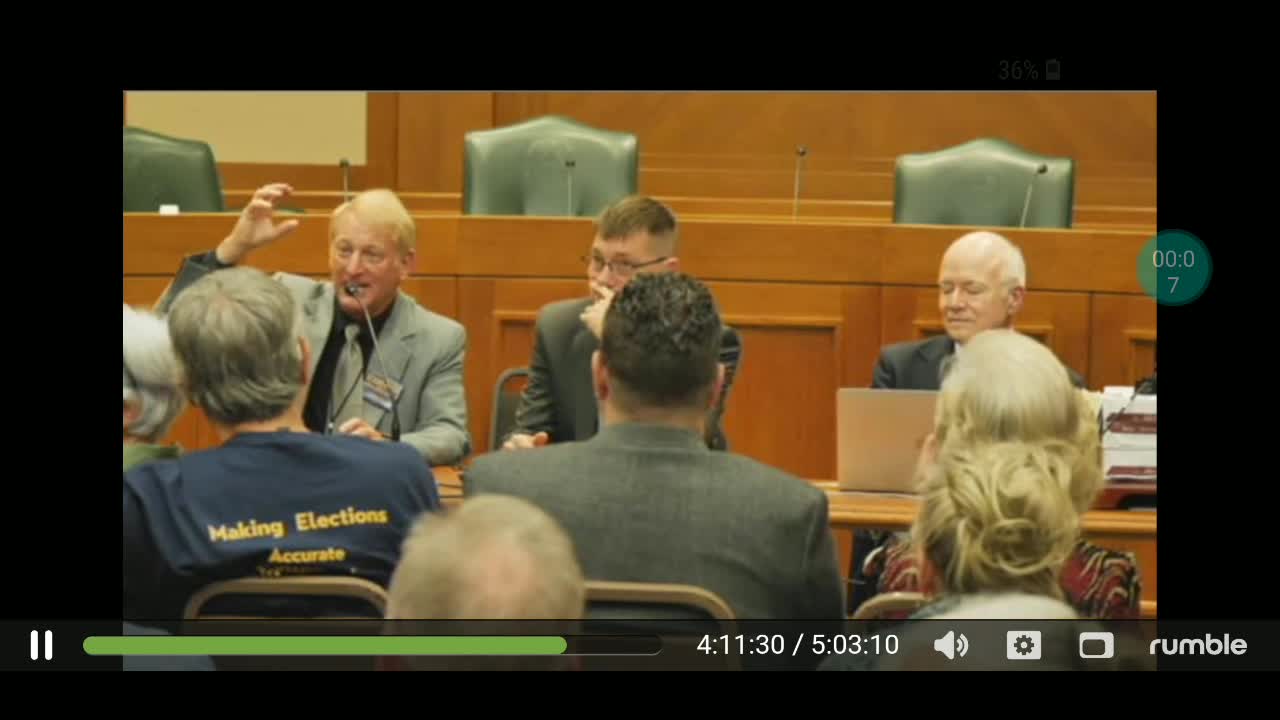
x=982, y=283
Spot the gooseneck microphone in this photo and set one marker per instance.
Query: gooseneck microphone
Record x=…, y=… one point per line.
x=345, y=164
x=801, y=152
x=1026, y=200
x=354, y=291
x=569, y=164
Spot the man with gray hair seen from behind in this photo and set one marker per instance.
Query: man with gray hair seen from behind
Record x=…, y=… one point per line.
x=982, y=284
x=152, y=394
x=274, y=499
x=494, y=558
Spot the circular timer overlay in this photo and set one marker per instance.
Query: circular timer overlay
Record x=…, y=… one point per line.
x=1174, y=267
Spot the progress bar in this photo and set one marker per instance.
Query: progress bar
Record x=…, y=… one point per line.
x=315, y=645
x=214, y=645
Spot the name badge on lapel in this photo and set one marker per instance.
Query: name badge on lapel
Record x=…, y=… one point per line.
x=381, y=391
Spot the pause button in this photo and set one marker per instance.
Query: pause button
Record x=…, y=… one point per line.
x=35, y=644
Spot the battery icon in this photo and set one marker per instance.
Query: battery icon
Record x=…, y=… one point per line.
x=1053, y=70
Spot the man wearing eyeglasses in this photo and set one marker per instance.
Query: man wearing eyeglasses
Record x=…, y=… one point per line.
x=636, y=234
x=372, y=247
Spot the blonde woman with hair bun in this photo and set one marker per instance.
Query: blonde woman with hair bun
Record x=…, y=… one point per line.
x=1006, y=391
x=996, y=518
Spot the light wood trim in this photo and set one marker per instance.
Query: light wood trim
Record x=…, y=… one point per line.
x=1096, y=217
x=668, y=593
x=868, y=510
x=748, y=249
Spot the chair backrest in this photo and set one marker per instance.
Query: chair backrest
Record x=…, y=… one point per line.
x=633, y=600
x=323, y=586
x=506, y=398
x=550, y=165
x=983, y=182
x=892, y=605
x=162, y=170
x=351, y=606
x=682, y=614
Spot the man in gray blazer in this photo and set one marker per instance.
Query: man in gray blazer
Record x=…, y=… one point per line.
x=645, y=499
x=634, y=235
x=416, y=366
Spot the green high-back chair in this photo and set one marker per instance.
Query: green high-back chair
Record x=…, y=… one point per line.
x=550, y=165
x=984, y=182
x=162, y=170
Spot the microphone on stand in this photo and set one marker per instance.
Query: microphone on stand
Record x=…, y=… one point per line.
x=354, y=292
x=345, y=164
x=1026, y=200
x=569, y=164
x=801, y=151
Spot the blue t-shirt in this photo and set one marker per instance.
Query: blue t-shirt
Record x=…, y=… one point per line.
x=268, y=504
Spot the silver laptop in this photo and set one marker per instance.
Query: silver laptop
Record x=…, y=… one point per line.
x=879, y=434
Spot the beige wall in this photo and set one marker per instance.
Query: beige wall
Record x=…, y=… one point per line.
x=259, y=127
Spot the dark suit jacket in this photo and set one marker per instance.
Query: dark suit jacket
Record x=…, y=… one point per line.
x=918, y=365
x=559, y=399
x=650, y=503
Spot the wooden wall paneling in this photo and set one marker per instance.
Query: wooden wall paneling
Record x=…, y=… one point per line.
x=1098, y=129
x=513, y=107
x=863, y=306
x=1059, y=320
x=1101, y=217
x=431, y=129
x=781, y=409
x=382, y=142
x=1124, y=339
x=323, y=202
x=157, y=244
x=247, y=177
x=840, y=185
x=437, y=294
x=779, y=249
x=1076, y=260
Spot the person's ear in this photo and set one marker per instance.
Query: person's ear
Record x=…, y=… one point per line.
x=717, y=387
x=1016, y=297
x=672, y=264
x=599, y=376
x=407, y=263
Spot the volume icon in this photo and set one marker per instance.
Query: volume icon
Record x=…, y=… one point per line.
x=35, y=644
x=949, y=645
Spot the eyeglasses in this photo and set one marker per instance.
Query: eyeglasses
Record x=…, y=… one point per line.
x=621, y=268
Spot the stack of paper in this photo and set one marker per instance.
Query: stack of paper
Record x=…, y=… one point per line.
x=1129, y=437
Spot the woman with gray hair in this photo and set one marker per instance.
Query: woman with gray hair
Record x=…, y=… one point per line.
x=152, y=391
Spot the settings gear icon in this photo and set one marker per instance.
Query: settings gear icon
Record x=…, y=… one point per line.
x=1023, y=645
